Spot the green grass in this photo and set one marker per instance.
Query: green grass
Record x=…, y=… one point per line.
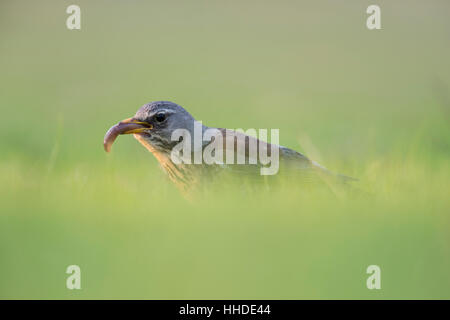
x=369, y=104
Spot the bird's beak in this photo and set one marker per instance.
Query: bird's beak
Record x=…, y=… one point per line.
x=126, y=126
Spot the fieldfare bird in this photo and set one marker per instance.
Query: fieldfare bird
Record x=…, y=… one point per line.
x=164, y=127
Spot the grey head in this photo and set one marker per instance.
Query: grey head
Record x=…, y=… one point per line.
x=164, y=117
x=153, y=125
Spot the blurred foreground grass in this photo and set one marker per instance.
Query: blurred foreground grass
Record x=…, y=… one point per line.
x=367, y=104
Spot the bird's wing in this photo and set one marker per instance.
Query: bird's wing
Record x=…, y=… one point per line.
x=251, y=148
x=242, y=154
x=292, y=164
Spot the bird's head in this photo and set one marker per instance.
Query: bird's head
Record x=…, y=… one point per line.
x=153, y=124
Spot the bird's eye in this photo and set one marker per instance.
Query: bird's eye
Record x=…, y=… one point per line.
x=160, y=117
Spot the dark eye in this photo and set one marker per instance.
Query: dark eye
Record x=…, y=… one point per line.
x=160, y=117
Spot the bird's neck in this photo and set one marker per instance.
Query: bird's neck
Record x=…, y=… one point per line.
x=184, y=176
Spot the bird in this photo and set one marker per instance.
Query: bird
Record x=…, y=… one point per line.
x=155, y=124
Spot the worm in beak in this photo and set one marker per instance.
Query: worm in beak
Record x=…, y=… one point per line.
x=126, y=126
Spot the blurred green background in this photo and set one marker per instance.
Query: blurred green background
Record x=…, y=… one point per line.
x=371, y=104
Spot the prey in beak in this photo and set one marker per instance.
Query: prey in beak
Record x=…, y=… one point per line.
x=127, y=126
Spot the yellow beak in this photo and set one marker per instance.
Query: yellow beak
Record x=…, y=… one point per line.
x=133, y=129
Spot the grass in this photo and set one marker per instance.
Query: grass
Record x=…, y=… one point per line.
x=373, y=105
